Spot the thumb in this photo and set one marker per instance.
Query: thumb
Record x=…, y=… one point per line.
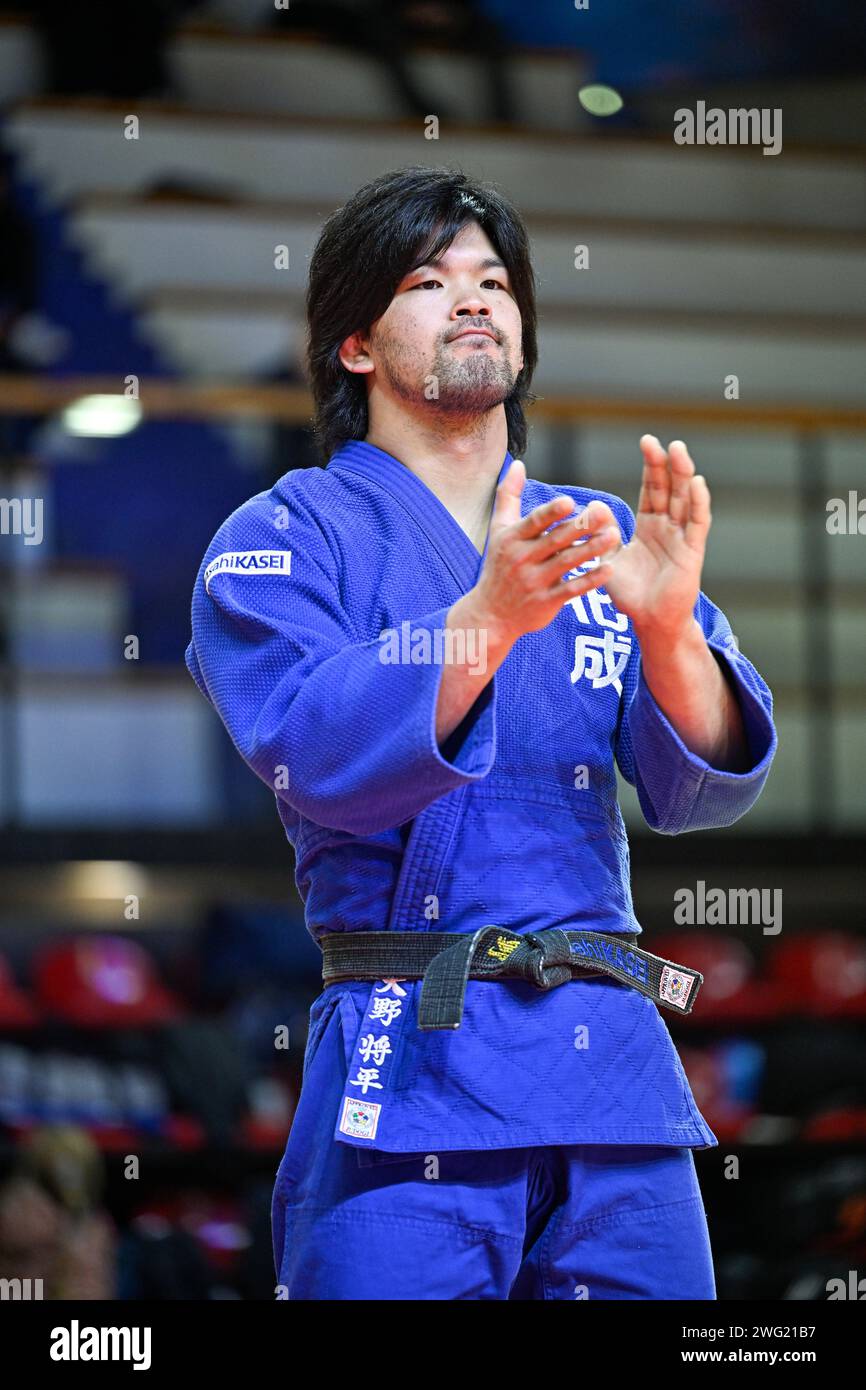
x=506, y=502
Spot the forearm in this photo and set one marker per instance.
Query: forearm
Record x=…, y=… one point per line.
x=474, y=654
x=690, y=688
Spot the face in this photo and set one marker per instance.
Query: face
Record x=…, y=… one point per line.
x=451, y=335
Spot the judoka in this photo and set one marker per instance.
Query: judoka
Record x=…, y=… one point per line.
x=492, y=1106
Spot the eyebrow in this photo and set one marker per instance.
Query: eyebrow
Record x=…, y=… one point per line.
x=489, y=263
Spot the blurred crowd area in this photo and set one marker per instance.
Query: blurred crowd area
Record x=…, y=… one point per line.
x=150, y=1063
x=623, y=43
x=141, y=1121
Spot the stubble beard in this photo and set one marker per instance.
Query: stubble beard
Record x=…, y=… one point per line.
x=469, y=382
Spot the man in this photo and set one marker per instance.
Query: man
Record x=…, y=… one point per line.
x=434, y=662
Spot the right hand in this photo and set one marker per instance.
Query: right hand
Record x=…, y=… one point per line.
x=521, y=588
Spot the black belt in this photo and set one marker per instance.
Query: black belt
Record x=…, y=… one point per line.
x=446, y=960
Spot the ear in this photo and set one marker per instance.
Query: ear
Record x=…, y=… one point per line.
x=355, y=354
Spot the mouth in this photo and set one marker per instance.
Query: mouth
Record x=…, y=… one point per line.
x=474, y=333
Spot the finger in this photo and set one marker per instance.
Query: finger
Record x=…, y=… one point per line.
x=652, y=449
x=572, y=588
x=592, y=522
x=538, y=520
x=607, y=542
x=559, y=537
x=681, y=472
x=595, y=515
x=506, y=499
x=655, y=481
x=700, y=516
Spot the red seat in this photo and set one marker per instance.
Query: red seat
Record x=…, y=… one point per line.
x=826, y=971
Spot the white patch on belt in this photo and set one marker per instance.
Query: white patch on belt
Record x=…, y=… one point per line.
x=360, y=1118
x=675, y=987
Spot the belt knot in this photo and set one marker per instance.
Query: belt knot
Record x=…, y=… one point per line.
x=548, y=962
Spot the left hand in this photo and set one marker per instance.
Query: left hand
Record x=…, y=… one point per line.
x=656, y=578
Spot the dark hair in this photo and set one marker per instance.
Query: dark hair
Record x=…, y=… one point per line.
x=367, y=247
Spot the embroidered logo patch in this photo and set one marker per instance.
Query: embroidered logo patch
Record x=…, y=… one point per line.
x=249, y=562
x=675, y=987
x=360, y=1118
x=503, y=948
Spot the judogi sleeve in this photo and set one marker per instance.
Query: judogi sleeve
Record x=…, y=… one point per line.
x=678, y=790
x=344, y=737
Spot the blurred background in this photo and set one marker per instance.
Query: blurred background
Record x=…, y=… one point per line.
x=165, y=170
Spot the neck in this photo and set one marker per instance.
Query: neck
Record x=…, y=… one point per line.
x=458, y=460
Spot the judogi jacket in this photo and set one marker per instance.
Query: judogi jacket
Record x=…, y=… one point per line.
x=314, y=622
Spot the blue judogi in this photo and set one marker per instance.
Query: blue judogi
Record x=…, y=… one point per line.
x=315, y=619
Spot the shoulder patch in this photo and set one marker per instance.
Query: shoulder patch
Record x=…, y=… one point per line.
x=249, y=562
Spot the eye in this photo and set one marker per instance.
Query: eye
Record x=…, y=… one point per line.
x=424, y=283
x=497, y=284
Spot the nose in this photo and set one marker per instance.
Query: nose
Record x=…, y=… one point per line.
x=471, y=305
x=469, y=300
